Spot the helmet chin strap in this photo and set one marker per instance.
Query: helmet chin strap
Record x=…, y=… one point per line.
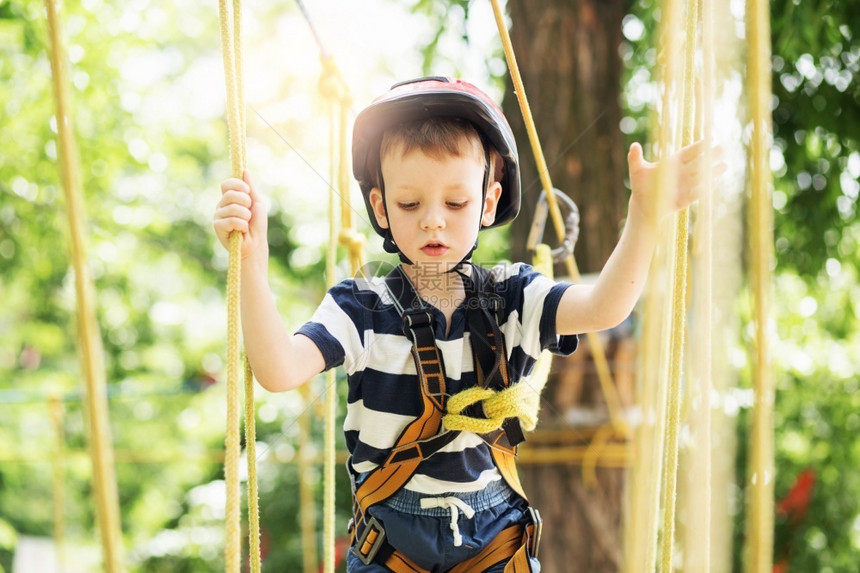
x=485, y=188
x=391, y=247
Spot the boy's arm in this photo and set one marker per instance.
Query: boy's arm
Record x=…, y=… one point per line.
x=606, y=303
x=280, y=361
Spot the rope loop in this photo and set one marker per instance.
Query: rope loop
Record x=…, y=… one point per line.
x=511, y=402
x=331, y=84
x=351, y=239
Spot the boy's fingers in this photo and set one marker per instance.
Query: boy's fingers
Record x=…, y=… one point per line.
x=227, y=226
x=719, y=169
x=635, y=155
x=692, y=151
x=233, y=197
x=698, y=149
x=233, y=184
x=246, y=175
x=234, y=211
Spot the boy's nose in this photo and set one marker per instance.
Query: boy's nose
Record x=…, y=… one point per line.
x=432, y=219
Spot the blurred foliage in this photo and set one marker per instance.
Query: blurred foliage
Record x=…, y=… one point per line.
x=153, y=148
x=815, y=69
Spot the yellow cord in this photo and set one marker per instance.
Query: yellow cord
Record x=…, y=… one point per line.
x=331, y=378
x=498, y=405
x=698, y=535
x=231, y=49
x=760, y=510
x=91, y=351
x=679, y=310
x=58, y=461
x=251, y=455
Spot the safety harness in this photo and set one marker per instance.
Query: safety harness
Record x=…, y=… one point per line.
x=425, y=435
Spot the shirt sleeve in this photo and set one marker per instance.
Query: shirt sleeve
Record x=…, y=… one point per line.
x=535, y=299
x=562, y=345
x=336, y=327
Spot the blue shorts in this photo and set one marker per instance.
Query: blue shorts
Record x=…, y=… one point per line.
x=426, y=537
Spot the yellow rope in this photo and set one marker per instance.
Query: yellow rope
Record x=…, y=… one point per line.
x=231, y=49
x=307, y=508
x=679, y=308
x=334, y=89
x=58, y=461
x=760, y=509
x=91, y=351
x=595, y=450
x=251, y=455
x=330, y=415
x=497, y=405
x=698, y=539
x=601, y=364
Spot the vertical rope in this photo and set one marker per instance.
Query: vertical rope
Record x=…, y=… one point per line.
x=251, y=456
x=331, y=378
x=679, y=307
x=239, y=85
x=307, y=509
x=760, y=508
x=58, y=462
x=698, y=546
x=89, y=337
x=657, y=320
x=231, y=50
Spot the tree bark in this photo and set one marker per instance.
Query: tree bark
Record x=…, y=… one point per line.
x=567, y=51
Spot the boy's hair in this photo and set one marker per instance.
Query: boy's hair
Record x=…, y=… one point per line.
x=438, y=137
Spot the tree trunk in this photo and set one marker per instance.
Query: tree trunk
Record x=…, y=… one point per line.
x=568, y=55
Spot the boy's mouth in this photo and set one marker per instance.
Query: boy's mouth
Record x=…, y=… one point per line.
x=434, y=248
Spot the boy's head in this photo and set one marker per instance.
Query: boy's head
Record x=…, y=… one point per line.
x=439, y=119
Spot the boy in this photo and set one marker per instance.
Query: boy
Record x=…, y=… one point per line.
x=436, y=161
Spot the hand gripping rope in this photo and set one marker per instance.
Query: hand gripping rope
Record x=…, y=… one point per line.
x=231, y=48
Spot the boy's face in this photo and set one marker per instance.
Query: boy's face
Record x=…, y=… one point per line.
x=434, y=203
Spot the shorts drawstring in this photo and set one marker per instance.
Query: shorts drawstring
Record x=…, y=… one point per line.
x=452, y=503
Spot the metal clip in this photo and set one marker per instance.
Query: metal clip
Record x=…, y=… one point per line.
x=534, y=539
x=571, y=226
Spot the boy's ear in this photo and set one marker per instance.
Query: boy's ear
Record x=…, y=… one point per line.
x=378, y=205
x=491, y=203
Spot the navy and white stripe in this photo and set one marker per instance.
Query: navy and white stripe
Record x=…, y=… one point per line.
x=357, y=326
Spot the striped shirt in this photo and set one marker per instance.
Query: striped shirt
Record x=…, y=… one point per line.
x=357, y=326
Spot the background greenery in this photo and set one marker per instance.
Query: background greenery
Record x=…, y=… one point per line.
x=149, y=118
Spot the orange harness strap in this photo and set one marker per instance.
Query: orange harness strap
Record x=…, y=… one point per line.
x=511, y=543
x=407, y=453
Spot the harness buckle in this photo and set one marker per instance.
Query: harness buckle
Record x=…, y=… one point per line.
x=367, y=545
x=534, y=538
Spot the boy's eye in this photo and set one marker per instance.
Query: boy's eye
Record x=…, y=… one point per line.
x=457, y=204
x=408, y=206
